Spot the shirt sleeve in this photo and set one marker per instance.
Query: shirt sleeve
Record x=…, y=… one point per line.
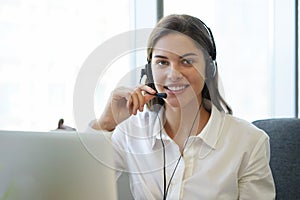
x=256, y=180
x=118, y=157
x=89, y=129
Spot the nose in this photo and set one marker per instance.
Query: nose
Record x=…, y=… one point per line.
x=174, y=73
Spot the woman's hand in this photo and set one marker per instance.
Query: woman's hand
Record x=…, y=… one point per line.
x=123, y=103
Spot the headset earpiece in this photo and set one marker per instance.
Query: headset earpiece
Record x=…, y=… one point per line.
x=150, y=80
x=211, y=69
x=147, y=71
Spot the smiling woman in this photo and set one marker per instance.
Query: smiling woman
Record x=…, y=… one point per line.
x=190, y=146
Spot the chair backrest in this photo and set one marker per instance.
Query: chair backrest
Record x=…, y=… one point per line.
x=284, y=136
x=123, y=187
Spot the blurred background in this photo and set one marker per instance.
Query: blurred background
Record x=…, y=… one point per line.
x=44, y=43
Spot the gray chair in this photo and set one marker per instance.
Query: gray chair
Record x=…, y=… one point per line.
x=284, y=136
x=123, y=187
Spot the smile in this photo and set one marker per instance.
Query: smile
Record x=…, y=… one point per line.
x=176, y=88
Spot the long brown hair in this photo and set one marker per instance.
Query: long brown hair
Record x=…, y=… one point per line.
x=203, y=38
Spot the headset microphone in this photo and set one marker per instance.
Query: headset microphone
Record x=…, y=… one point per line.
x=159, y=95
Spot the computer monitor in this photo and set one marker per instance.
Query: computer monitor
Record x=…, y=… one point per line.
x=56, y=166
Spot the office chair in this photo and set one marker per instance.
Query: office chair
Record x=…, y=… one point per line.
x=284, y=136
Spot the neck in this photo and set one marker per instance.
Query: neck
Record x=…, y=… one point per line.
x=186, y=121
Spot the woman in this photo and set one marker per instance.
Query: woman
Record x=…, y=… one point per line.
x=188, y=145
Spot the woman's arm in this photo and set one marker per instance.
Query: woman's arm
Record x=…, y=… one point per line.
x=255, y=180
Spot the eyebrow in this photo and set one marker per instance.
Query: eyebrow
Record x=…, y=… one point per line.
x=159, y=56
x=184, y=55
x=188, y=54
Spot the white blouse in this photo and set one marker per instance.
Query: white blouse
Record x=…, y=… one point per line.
x=228, y=159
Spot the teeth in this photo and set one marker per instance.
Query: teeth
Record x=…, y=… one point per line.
x=176, y=88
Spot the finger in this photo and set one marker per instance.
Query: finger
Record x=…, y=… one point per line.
x=148, y=93
x=147, y=89
x=148, y=97
x=134, y=104
x=121, y=92
x=141, y=99
x=129, y=105
x=137, y=103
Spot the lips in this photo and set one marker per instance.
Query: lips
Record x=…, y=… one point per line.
x=176, y=88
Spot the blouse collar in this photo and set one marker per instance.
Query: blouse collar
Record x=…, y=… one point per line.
x=209, y=134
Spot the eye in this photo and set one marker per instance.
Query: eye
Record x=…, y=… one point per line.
x=162, y=62
x=187, y=61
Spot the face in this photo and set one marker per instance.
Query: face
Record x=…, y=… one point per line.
x=178, y=68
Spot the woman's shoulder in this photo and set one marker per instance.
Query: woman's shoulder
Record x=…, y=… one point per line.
x=241, y=135
x=241, y=128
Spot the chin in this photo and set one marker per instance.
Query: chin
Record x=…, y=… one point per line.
x=175, y=103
